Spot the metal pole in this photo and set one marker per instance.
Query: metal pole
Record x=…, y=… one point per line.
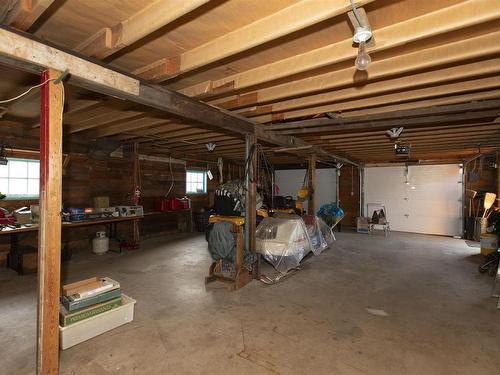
x=361, y=172
x=337, y=193
x=248, y=171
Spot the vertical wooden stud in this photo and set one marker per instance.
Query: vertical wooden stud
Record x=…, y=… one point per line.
x=137, y=184
x=312, y=185
x=49, y=237
x=251, y=194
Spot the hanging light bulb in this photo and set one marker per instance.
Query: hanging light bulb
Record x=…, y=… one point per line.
x=363, y=59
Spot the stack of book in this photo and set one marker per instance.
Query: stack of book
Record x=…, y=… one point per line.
x=87, y=298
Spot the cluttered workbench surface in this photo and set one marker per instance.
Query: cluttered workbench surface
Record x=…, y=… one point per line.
x=34, y=227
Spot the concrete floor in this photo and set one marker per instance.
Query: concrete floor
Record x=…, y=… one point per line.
x=407, y=304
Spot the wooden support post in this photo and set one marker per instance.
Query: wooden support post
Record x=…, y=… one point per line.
x=137, y=185
x=49, y=232
x=312, y=185
x=250, y=201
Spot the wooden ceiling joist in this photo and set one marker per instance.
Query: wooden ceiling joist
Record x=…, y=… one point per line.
x=105, y=119
x=480, y=84
x=429, y=133
x=458, y=16
x=414, y=122
x=425, y=103
x=152, y=17
x=21, y=14
x=450, y=53
x=427, y=140
x=286, y=21
x=404, y=114
x=32, y=55
x=435, y=77
x=119, y=127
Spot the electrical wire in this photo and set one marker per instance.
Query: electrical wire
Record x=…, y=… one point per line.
x=60, y=84
x=26, y=92
x=171, y=176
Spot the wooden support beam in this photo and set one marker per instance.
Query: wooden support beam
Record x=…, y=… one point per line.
x=373, y=141
x=471, y=139
x=26, y=52
x=152, y=17
x=459, y=16
x=21, y=14
x=462, y=87
x=250, y=199
x=49, y=232
x=412, y=122
x=450, y=53
x=296, y=17
x=312, y=185
x=405, y=114
x=433, y=78
x=424, y=103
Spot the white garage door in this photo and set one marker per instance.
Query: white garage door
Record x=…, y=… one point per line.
x=429, y=203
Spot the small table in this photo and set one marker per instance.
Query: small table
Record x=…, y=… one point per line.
x=109, y=222
x=188, y=212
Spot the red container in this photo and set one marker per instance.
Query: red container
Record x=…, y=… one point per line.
x=162, y=204
x=186, y=203
x=176, y=204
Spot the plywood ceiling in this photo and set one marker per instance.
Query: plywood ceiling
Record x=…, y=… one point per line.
x=288, y=64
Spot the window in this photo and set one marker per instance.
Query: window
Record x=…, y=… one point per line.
x=20, y=179
x=196, y=182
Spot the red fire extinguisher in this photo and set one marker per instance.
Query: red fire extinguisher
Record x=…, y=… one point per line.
x=136, y=196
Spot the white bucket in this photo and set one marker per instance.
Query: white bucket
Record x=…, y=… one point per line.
x=100, y=244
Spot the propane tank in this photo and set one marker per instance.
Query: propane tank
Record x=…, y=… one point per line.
x=100, y=243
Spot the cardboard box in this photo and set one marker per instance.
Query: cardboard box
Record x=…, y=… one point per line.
x=101, y=202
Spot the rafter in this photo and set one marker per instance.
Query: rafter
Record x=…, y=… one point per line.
x=460, y=117
x=450, y=53
x=286, y=21
x=157, y=14
x=461, y=15
x=400, y=97
x=435, y=77
x=424, y=103
x=405, y=114
x=21, y=14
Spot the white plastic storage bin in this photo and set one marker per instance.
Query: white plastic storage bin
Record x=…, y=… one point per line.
x=94, y=326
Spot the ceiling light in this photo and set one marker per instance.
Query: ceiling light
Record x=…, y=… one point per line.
x=362, y=34
x=394, y=133
x=363, y=59
x=210, y=146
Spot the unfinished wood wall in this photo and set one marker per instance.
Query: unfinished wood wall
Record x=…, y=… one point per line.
x=86, y=177
x=488, y=178
x=349, y=183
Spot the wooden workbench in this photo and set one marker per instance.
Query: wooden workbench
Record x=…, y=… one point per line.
x=110, y=222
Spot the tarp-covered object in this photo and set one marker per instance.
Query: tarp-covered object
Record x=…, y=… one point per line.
x=229, y=198
x=283, y=241
x=320, y=234
x=222, y=244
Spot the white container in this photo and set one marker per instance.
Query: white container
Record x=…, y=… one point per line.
x=100, y=243
x=96, y=325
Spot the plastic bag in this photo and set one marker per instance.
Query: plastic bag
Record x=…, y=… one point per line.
x=321, y=235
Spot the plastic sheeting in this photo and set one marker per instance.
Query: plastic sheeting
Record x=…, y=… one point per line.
x=284, y=240
x=320, y=234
